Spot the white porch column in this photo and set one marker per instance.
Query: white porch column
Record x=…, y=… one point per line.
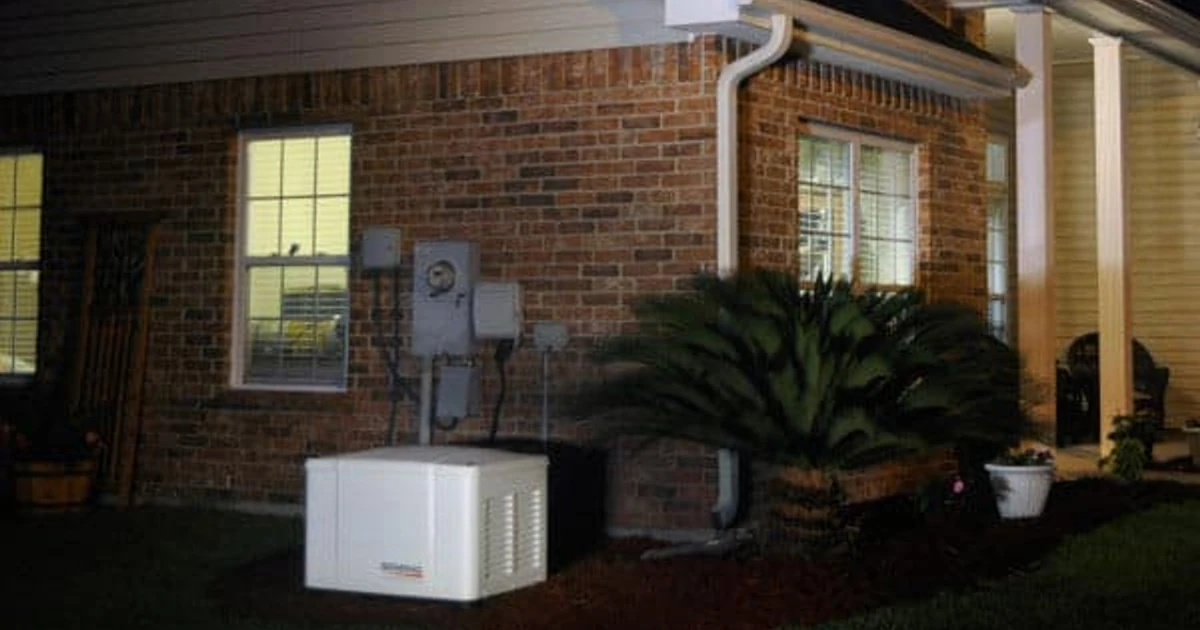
x=1036, y=322
x=1112, y=236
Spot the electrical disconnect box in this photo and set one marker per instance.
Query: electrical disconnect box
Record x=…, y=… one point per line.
x=458, y=392
x=550, y=336
x=497, y=310
x=381, y=248
x=444, y=277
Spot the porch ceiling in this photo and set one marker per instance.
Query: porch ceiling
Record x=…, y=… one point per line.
x=1168, y=29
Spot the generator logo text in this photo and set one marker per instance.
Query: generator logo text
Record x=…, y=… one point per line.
x=399, y=569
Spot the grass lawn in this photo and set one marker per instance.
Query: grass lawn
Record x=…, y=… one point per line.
x=1138, y=572
x=145, y=568
x=148, y=568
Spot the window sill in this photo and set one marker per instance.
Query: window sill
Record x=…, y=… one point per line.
x=16, y=380
x=289, y=389
x=284, y=399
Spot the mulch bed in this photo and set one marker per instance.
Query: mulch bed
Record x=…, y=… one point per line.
x=613, y=588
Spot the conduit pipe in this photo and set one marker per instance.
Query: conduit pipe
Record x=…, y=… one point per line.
x=732, y=76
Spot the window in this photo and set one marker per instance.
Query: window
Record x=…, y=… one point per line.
x=20, y=254
x=998, y=202
x=857, y=209
x=293, y=259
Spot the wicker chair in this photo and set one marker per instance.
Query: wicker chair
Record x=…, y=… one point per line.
x=1079, y=388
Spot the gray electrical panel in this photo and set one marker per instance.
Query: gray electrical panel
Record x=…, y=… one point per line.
x=444, y=278
x=458, y=392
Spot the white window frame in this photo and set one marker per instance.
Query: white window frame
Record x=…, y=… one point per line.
x=1001, y=328
x=856, y=140
x=238, y=361
x=27, y=265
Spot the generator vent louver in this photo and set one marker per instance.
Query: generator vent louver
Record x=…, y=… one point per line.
x=514, y=531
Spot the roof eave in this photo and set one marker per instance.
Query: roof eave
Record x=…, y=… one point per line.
x=833, y=37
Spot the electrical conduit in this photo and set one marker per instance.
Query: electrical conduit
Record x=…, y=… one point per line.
x=727, y=211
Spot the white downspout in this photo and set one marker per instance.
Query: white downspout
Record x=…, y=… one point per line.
x=727, y=211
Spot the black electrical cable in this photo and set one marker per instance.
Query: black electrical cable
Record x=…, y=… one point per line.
x=391, y=352
x=504, y=350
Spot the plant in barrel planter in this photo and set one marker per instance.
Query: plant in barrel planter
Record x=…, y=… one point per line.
x=812, y=383
x=54, y=456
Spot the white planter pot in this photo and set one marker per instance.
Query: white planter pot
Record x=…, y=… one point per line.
x=1021, y=491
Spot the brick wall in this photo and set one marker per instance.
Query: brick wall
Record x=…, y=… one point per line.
x=588, y=177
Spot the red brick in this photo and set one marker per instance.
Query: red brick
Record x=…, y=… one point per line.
x=618, y=150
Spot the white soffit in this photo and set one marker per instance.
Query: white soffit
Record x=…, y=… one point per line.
x=830, y=36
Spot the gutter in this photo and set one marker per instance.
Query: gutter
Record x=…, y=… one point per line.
x=732, y=76
x=830, y=36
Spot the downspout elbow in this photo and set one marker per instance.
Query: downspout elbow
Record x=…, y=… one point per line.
x=782, y=30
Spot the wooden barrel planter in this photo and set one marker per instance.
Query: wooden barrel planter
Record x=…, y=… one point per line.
x=48, y=486
x=806, y=511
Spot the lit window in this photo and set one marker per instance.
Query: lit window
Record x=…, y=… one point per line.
x=998, y=200
x=857, y=201
x=293, y=259
x=20, y=254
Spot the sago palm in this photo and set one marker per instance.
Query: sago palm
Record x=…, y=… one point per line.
x=818, y=377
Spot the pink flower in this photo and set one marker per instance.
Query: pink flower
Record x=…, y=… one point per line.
x=959, y=486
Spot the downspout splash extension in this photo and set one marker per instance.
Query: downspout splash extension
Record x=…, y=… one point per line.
x=732, y=76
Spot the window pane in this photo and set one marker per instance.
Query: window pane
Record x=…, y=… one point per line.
x=18, y=322
x=885, y=210
x=997, y=279
x=17, y=356
x=333, y=155
x=997, y=162
x=299, y=167
x=27, y=235
x=997, y=242
x=25, y=294
x=262, y=228
x=8, y=181
x=824, y=208
x=263, y=164
x=333, y=226
x=29, y=180
x=7, y=227
x=998, y=318
x=297, y=227
x=297, y=325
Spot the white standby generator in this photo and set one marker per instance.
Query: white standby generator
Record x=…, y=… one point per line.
x=439, y=522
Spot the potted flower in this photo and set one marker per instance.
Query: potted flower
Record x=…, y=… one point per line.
x=1021, y=480
x=816, y=385
x=1191, y=429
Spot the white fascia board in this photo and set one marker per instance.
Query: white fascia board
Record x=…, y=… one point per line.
x=833, y=37
x=703, y=16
